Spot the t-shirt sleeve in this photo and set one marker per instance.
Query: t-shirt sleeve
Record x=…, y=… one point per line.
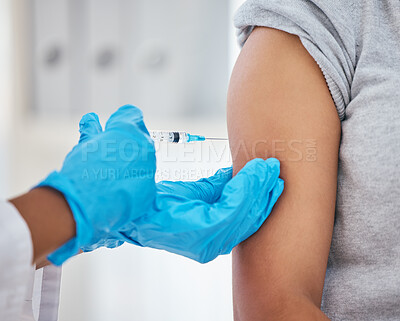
x=325, y=30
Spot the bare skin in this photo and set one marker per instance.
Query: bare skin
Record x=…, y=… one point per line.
x=49, y=219
x=280, y=106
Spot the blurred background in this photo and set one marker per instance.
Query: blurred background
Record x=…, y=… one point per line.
x=172, y=58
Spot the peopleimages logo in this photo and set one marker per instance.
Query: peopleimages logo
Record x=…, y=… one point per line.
x=217, y=152
x=104, y=173
x=294, y=150
x=126, y=150
x=183, y=174
x=186, y=161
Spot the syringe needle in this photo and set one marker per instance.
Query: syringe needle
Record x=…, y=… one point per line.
x=215, y=138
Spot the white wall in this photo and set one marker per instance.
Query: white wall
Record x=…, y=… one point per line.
x=5, y=90
x=233, y=44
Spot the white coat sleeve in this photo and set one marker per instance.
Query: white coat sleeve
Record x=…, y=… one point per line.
x=15, y=262
x=42, y=299
x=46, y=293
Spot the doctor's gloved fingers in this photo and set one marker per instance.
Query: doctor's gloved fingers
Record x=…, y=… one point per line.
x=274, y=195
x=206, y=189
x=243, y=197
x=272, y=174
x=89, y=126
x=264, y=207
x=128, y=117
x=257, y=218
x=261, y=172
x=210, y=189
x=111, y=244
x=256, y=178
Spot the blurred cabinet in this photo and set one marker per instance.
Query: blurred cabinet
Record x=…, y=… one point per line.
x=170, y=58
x=51, y=77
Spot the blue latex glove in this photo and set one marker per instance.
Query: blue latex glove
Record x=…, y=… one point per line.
x=206, y=189
x=204, y=219
x=107, y=179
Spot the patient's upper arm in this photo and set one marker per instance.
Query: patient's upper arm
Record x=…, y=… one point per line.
x=279, y=106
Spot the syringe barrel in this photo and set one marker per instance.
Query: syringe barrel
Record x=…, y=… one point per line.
x=171, y=137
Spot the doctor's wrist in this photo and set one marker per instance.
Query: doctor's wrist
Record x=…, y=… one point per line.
x=49, y=219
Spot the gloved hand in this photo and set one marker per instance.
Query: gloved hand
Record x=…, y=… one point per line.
x=206, y=189
x=201, y=220
x=107, y=178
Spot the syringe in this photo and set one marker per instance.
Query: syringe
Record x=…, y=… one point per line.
x=178, y=137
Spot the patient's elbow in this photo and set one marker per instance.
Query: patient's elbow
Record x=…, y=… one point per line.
x=278, y=305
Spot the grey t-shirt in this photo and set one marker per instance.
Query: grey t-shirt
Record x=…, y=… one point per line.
x=357, y=46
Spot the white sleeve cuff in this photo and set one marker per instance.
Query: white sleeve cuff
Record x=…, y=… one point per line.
x=15, y=264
